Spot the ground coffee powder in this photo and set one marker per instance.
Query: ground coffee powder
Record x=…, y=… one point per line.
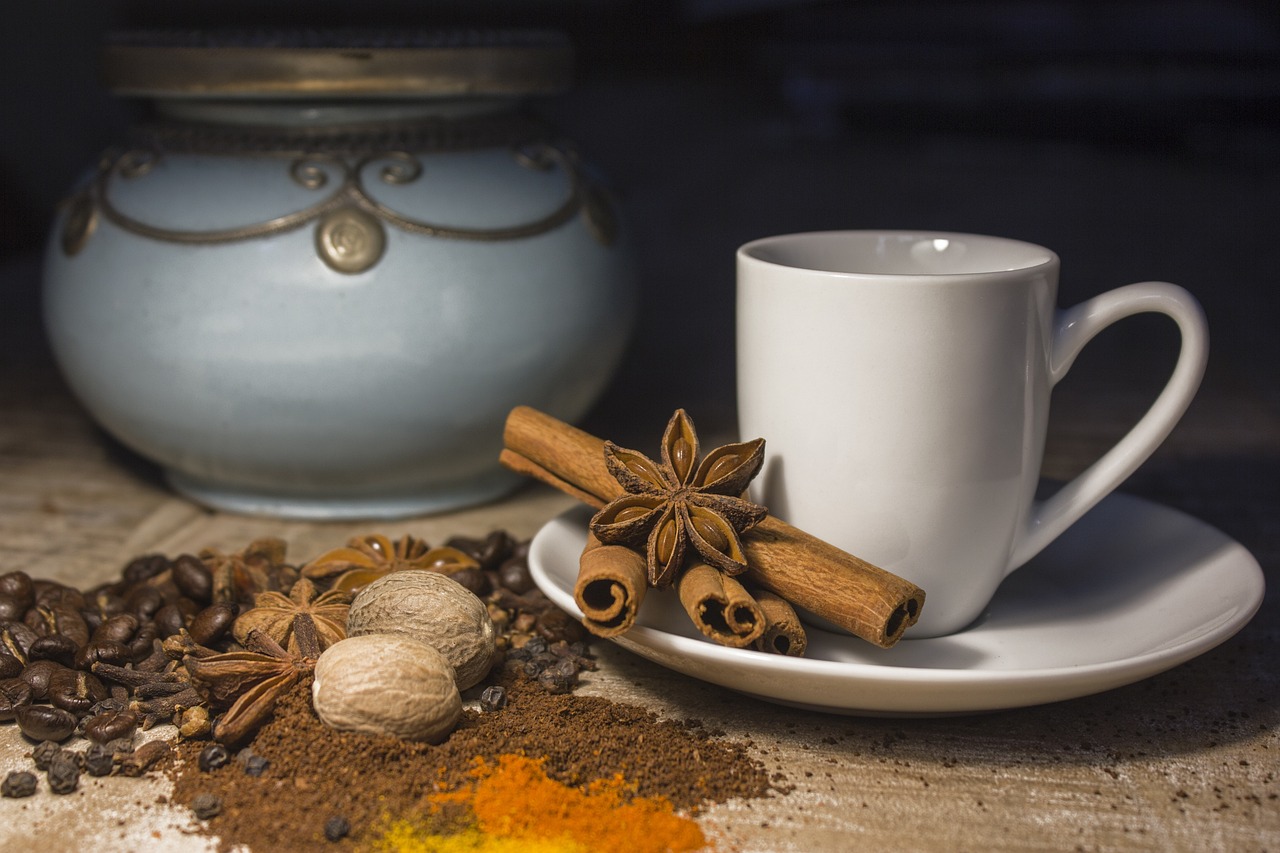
x=310, y=776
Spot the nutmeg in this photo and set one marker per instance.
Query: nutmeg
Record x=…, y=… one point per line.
x=434, y=609
x=386, y=684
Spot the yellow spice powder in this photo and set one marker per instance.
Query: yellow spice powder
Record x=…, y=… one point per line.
x=517, y=807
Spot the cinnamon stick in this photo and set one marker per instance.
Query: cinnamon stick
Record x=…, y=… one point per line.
x=721, y=607
x=783, y=633
x=861, y=598
x=612, y=581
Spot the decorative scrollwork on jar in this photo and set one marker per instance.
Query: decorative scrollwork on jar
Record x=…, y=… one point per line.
x=350, y=236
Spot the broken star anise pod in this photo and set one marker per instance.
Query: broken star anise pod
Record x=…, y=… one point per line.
x=249, y=683
x=364, y=559
x=260, y=567
x=274, y=614
x=682, y=502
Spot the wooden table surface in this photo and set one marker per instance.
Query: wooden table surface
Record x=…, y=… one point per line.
x=1186, y=760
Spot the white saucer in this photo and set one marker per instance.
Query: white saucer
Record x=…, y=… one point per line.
x=1131, y=590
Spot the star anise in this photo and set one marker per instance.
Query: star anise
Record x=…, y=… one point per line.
x=260, y=567
x=364, y=559
x=249, y=683
x=682, y=502
x=274, y=614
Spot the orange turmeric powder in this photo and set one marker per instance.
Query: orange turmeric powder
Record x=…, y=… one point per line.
x=515, y=801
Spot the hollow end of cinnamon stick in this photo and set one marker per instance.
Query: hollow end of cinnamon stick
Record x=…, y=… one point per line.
x=784, y=634
x=720, y=606
x=611, y=585
x=812, y=574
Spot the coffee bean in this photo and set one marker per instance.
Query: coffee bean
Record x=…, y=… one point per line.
x=75, y=691
x=106, y=651
x=57, y=618
x=476, y=581
x=106, y=601
x=53, y=594
x=144, y=568
x=16, y=639
x=111, y=725
x=64, y=773
x=14, y=694
x=56, y=648
x=37, y=675
x=212, y=623
x=206, y=806
x=515, y=576
x=18, y=586
x=193, y=578
x=10, y=667
x=18, y=783
x=488, y=552
x=11, y=610
x=120, y=628
x=143, y=601
x=169, y=620
x=45, y=723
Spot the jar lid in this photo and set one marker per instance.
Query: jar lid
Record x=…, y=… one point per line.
x=336, y=63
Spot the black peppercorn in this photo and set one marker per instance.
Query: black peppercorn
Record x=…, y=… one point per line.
x=256, y=765
x=534, y=667
x=337, y=828
x=206, y=806
x=43, y=753
x=536, y=645
x=64, y=773
x=554, y=680
x=213, y=756
x=493, y=698
x=99, y=760
x=19, y=783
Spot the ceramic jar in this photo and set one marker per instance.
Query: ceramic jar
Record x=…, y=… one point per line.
x=317, y=281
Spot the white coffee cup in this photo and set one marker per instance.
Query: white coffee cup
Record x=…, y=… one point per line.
x=901, y=381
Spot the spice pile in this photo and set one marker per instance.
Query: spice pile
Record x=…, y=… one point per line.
x=299, y=782
x=225, y=647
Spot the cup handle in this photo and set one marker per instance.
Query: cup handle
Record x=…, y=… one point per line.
x=1074, y=328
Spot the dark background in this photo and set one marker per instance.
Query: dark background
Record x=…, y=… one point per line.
x=1138, y=139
